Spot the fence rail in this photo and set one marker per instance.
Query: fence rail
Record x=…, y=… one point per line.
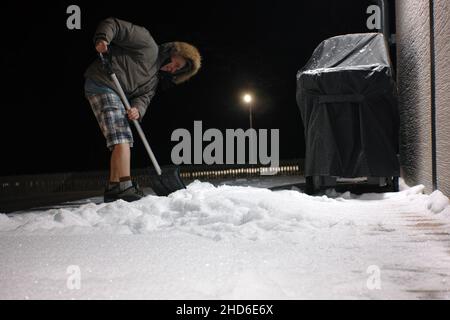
x=96, y=180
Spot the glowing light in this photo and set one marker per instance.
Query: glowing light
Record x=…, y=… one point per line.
x=247, y=98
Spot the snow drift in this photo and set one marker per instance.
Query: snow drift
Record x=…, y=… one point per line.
x=220, y=212
x=229, y=242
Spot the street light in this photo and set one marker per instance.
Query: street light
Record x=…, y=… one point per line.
x=248, y=100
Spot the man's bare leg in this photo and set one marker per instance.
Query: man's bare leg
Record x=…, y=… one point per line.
x=120, y=185
x=120, y=162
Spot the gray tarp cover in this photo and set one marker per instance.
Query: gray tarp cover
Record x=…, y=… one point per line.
x=347, y=100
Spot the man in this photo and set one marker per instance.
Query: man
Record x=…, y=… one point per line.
x=138, y=63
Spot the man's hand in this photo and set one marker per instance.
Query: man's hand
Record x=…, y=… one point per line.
x=133, y=114
x=101, y=46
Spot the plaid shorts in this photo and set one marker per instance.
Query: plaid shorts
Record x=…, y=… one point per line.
x=111, y=117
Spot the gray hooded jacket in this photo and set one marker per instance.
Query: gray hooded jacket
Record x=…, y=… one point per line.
x=136, y=61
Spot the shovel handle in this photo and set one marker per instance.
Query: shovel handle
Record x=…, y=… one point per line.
x=126, y=103
x=106, y=63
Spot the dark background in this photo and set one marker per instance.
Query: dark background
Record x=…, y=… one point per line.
x=47, y=125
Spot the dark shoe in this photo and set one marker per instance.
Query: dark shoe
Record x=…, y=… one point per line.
x=111, y=194
x=131, y=194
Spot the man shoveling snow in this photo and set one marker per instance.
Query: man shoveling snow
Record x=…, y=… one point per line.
x=139, y=63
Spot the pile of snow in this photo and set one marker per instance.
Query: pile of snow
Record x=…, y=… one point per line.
x=219, y=212
x=230, y=242
x=438, y=203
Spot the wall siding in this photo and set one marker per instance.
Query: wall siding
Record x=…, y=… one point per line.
x=442, y=40
x=413, y=78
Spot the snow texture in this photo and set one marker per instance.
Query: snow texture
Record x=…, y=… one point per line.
x=231, y=242
x=438, y=203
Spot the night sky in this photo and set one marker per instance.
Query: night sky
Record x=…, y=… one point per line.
x=47, y=125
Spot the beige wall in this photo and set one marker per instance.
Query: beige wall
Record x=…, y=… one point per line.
x=413, y=79
x=414, y=84
x=442, y=35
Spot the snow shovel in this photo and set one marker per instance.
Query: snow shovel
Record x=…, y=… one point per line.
x=163, y=181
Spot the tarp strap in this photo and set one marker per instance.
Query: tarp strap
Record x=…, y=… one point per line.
x=340, y=98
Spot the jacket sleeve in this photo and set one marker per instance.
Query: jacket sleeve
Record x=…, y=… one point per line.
x=123, y=34
x=142, y=101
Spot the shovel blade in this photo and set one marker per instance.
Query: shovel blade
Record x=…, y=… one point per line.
x=169, y=181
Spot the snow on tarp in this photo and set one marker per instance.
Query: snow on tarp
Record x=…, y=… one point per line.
x=227, y=242
x=347, y=99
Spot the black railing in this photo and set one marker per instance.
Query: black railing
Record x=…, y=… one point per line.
x=24, y=185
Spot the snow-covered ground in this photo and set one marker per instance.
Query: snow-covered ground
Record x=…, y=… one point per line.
x=232, y=242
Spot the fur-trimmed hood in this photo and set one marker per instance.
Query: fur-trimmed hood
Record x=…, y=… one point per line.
x=187, y=51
